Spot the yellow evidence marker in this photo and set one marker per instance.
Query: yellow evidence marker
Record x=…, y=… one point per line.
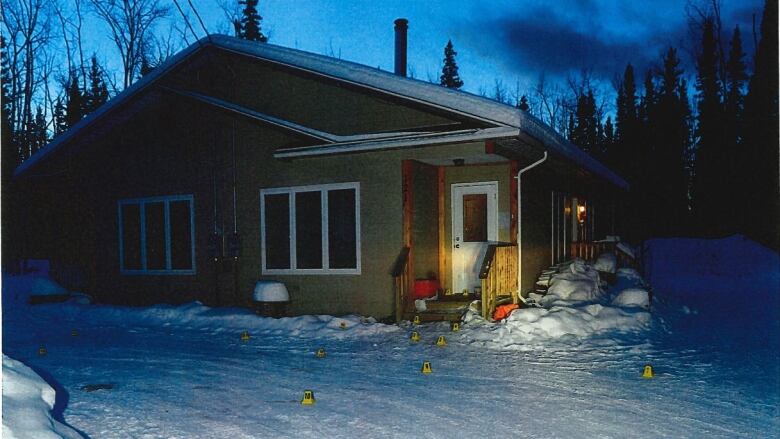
x=308, y=398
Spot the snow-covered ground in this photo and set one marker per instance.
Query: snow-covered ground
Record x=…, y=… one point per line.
x=570, y=368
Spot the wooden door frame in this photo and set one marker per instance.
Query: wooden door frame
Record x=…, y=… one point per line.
x=493, y=186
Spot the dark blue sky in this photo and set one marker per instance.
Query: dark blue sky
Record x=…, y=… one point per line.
x=511, y=40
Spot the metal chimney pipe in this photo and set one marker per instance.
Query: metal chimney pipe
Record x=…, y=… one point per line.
x=401, y=25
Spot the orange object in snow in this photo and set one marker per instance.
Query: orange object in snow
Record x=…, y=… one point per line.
x=503, y=311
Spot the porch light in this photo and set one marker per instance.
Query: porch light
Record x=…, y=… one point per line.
x=581, y=213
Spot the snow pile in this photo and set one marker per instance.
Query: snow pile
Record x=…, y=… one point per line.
x=192, y=315
x=579, y=282
x=20, y=288
x=575, y=308
x=721, y=278
x=27, y=405
x=632, y=297
x=606, y=262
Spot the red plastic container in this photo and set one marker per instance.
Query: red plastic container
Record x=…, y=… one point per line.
x=424, y=288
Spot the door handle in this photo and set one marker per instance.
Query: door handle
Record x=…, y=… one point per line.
x=457, y=245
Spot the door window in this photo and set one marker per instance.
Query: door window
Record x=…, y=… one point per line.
x=475, y=218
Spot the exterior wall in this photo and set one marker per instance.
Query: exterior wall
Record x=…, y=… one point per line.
x=379, y=175
x=190, y=152
x=535, y=227
x=177, y=147
x=295, y=96
x=425, y=221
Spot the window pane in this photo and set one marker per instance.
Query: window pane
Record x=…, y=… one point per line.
x=131, y=236
x=155, y=236
x=277, y=231
x=475, y=218
x=308, y=229
x=342, y=243
x=181, y=235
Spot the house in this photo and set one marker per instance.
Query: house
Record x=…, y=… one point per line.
x=236, y=161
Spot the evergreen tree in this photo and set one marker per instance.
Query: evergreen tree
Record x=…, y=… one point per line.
x=608, y=144
x=449, y=73
x=626, y=145
x=97, y=94
x=523, y=104
x=25, y=136
x=669, y=191
x=711, y=167
x=74, y=107
x=39, y=135
x=9, y=160
x=736, y=171
x=146, y=65
x=586, y=124
x=736, y=76
x=10, y=149
x=249, y=28
x=58, y=118
x=760, y=136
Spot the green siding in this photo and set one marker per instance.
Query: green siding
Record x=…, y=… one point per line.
x=309, y=100
x=425, y=222
x=536, y=228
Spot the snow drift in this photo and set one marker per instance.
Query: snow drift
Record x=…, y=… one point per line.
x=27, y=405
x=734, y=281
x=575, y=308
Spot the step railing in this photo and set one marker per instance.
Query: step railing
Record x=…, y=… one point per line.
x=498, y=273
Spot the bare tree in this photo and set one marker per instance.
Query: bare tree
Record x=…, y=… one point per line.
x=27, y=23
x=500, y=92
x=550, y=104
x=232, y=11
x=130, y=23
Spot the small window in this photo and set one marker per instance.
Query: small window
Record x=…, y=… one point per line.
x=311, y=229
x=157, y=235
x=475, y=218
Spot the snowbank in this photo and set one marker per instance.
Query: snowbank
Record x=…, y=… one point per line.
x=20, y=288
x=723, y=278
x=194, y=315
x=579, y=282
x=575, y=308
x=606, y=262
x=632, y=297
x=27, y=405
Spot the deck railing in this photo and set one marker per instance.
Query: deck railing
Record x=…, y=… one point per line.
x=400, y=273
x=589, y=251
x=499, y=276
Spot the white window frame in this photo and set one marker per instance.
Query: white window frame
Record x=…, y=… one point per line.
x=323, y=189
x=142, y=202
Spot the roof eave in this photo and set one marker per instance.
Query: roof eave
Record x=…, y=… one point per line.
x=428, y=139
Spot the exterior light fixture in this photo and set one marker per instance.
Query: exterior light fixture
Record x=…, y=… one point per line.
x=581, y=213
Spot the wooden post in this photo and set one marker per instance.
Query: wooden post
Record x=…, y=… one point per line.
x=444, y=246
x=407, y=176
x=513, y=168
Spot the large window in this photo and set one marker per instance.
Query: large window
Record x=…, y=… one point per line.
x=311, y=229
x=157, y=235
x=561, y=227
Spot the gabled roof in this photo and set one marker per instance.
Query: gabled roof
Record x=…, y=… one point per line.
x=472, y=106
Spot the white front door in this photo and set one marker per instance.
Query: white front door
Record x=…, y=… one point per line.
x=474, y=224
